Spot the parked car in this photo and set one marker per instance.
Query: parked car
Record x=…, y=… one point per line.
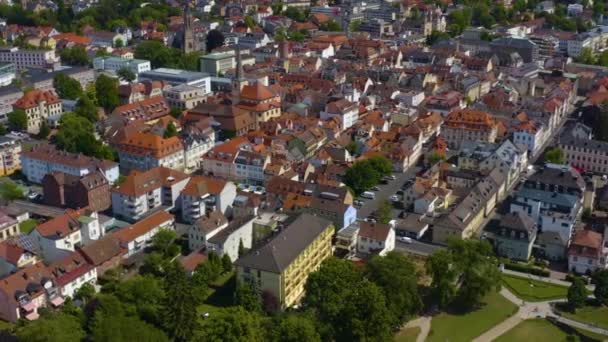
x=375, y=188
x=368, y=194
x=391, y=177
x=358, y=203
x=405, y=239
x=395, y=198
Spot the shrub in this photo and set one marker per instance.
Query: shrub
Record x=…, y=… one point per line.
x=526, y=269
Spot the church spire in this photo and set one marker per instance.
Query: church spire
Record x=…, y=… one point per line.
x=239, y=64
x=188, y=44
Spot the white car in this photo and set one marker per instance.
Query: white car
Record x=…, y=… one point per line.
x=395, y=198
x=405, y=239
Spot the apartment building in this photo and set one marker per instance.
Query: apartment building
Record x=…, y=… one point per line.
x=346, y=112
x=532, y=134
x=44, y=159
x=586, y=154
x=89, y=191
x=139, y=91
x=145, y=151
x=282, y=265
x=249, y=167
x=184, y=96
x=587, y=252
x=41, y=59
x=219, y=161
x=8, y=96
x=44, y=81
x=218, y=63
x=203, y=194
x=8, y=227
x=143, y=192
x=59, y=236
x=136, y=237
x=467, y=125
x=39, y=106
x=113, y=64
x=147, y=109
x=197, y=140
x=10, y=152
x=260, y=102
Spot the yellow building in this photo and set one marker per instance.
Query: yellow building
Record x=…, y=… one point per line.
x=282, y=266
x=10, y=152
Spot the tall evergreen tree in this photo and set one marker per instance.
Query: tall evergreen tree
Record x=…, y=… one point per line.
x=180, y=304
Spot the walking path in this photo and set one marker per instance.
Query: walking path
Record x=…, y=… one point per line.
x=529, y=310
x=424, y=323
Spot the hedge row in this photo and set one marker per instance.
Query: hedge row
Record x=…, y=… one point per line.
x=527, y=269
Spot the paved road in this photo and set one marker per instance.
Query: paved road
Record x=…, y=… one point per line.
x=38, y=209
x=386, y=190
x=417, y=247
x=544, y=279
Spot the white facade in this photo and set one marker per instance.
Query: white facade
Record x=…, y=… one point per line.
x=114, y=64
x=347, y=119
x=534, y=141
x=185, y=96
x=35, y=169
x=382, y=247
x=55, y=249
x=144, y=162
x=198, y=238
x=194, y=150
x=29, y=58
x=230, y=243
x=70, y=289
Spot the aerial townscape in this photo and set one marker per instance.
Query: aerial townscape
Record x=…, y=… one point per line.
x=303, y=170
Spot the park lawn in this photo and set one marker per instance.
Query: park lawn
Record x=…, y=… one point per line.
x=407, y=335
x=597, y=315
x=5, y=325
x=543, y=330
x=27, y=226
x=533, y=290
x=533, y=330
x=456, y=327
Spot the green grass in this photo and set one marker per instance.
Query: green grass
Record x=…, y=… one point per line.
x=220, y=295
x=5, y=325
x=597, y=315
x=407, y=335
x=543, y=330
x=27, y=226
x=533, y=290
x=456, y=327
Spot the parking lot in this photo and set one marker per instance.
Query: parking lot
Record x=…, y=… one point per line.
x=384, y=192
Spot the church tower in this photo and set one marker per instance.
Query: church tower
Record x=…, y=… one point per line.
x=239, y=80
x=188, y=43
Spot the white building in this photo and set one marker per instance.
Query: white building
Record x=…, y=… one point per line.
x=206, y=193
x=532, y=135
x=114, y=64
x=58, y=237
x=185, y=96
x=347, y=112
x=375, y=238
x=44, y=159
x=227, y=241
x=45, y=59
x=143, y=192
x=136, y=237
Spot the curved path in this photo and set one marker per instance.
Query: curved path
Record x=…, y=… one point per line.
x=424, y=323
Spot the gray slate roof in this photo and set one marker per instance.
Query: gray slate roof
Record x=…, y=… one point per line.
x=283, y=249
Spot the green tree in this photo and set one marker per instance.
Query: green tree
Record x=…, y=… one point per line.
x=170, y=131
x=436, y=36
x=601, y=286
x=384, y=212
x=164, y=243
x=277, y=8
x=555, y=155
x=126, y=75
x=383, y=165
x=52, y=328
x=77, y=135
x=67, y=87
x=245, y=295
x=86, y=108
x=577, y=294
x=294, y=13
x=438, y=267
x=118, y=43
x=586, y=57
x=249, y=21
x=231, y=324
x=109, y=327
x=331, y=26
x=107, y=87
x=215, y=39
x=361, y=176
x=354, y=25
x=44, y=131
x=226, y=263
x=9, y=191
x=396, y=275
x=3, y=130
x=295, y=328
x=75, y=56
x=435, y=157
x=17, y=119
x=180, y=315
x=146, y=294
x=347, y=306
x=85, y=293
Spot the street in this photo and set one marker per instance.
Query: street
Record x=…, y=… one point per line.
x=416, y=247
x=386, y=190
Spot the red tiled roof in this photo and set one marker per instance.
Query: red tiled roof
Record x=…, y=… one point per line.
x=130, y=233
x=33, y=98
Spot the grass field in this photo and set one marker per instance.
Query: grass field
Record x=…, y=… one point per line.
x=27, y=226
x=543, y=330
x=597, y=315
x=455, y=327
x=407, y=335
x=533, y=290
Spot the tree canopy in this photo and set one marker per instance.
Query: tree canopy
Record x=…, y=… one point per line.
x=10, y=191
x=75, y=56
x=67, y=87
x=600, y=278
x=17, y=119
x=76, y=134
x=577, y=293
x=53, y=328
x=215, y=39
x=108, y=87
x=555, y=155
x=362, y=175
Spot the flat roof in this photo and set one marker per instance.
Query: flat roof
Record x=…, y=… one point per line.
x=174, y=74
